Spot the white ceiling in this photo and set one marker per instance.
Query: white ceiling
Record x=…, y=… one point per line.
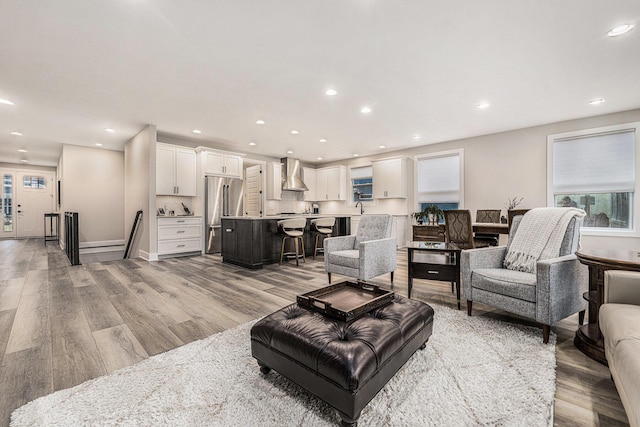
x=74, y=68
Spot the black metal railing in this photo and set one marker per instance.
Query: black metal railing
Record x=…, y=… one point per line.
x=71, y=238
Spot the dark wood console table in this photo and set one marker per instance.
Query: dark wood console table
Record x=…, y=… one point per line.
x=588, y=337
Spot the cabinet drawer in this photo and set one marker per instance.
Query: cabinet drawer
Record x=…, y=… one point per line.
x=179, y=232
x=162, y=221
x=445, y=273
x=178, y=246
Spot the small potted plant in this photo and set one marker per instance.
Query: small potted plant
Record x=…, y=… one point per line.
x=511, y=204
x=420, y=216
x=434, y=213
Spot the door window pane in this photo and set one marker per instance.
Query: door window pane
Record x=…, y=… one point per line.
x=7, y=203
x=34, y=182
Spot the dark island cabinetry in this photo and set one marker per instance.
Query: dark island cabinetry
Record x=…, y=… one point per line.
x=238, y=246
x=253, y=242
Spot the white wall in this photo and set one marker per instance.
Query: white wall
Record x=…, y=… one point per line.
x=140, y=192
x=92, y=184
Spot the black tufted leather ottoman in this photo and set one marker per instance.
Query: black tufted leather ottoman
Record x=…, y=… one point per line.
x=344, y=364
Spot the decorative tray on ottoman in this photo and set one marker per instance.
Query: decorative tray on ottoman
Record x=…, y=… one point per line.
x=346, y=301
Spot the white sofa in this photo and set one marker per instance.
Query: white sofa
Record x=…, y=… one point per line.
x=619, y=318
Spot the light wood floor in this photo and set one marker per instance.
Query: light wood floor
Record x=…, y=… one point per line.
x=61, y=325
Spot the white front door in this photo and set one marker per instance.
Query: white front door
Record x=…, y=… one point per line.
x=34, y=197
x=7, y=200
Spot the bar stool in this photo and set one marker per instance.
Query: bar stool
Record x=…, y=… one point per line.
x=292, y=228
x=322, y=227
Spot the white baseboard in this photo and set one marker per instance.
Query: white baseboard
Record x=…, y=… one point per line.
x=148, y=256
x=101, y=244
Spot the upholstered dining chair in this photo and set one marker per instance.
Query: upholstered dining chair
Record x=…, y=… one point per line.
x=514, y=213
x=546, y=288
x=459, y=230
x=488, y=216
x=371, y=252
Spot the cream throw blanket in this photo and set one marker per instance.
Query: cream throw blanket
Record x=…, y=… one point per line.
x=539, y=237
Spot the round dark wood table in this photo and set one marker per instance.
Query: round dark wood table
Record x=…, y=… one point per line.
x=588, y=337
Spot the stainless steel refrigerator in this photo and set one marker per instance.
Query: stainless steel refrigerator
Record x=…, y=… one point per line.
x=224, y=197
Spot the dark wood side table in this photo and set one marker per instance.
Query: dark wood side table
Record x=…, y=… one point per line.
x=588, y=337
x=434, y=261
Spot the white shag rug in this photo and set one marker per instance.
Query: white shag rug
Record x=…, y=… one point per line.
x=474, y=371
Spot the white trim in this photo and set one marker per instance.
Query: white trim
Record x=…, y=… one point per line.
x=102, y=249
x=101, y=244
x=147, y=256
x=608, y=232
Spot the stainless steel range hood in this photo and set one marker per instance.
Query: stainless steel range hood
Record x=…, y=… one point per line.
x=292, y=180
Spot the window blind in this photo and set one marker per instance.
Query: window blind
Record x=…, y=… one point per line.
x=595, y=164
x=362, y=172
x=439, y=179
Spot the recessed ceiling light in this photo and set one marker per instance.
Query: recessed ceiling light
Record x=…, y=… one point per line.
x=416, y=137
x=331, y=92
x=596, y=101
x=98, y=144
x=322, y=140
x=6, y=102
x=22, y=150
x=16, y=133
x=620, y=30
x=294, y=132
x=260, y=122
x=290, y=152
x=318, y=158
x=365, y=110
x=24, y=161
x=198, y=131
x=482, y=105
x=382, y=146
x=252, y=143
x=109, y=130
x=356, y=155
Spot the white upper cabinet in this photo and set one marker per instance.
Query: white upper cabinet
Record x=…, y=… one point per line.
x=274, y=181
x=222, y=164
x=175, y=170
x=390, y=179
x=309, y=178
x=331, y=183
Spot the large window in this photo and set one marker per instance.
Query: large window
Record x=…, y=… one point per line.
x=439, y=180
x=595, y=170
x=362, y=184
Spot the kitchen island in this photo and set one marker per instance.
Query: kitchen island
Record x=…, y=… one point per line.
x=254, y=241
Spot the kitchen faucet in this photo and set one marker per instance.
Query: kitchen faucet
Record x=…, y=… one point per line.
x=361, y=207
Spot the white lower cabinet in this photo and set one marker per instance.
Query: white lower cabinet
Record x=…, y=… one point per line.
x=177, y=235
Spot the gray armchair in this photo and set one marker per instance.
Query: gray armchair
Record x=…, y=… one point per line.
x=550, y=294
x=370, y=253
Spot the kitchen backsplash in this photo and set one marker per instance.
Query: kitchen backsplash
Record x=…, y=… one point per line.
x=174, y=203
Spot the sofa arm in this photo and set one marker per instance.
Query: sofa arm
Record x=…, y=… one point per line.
x=377, y=257
x=340, y=243
x=622, y=287
x=561, y=284
x=474, y=259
